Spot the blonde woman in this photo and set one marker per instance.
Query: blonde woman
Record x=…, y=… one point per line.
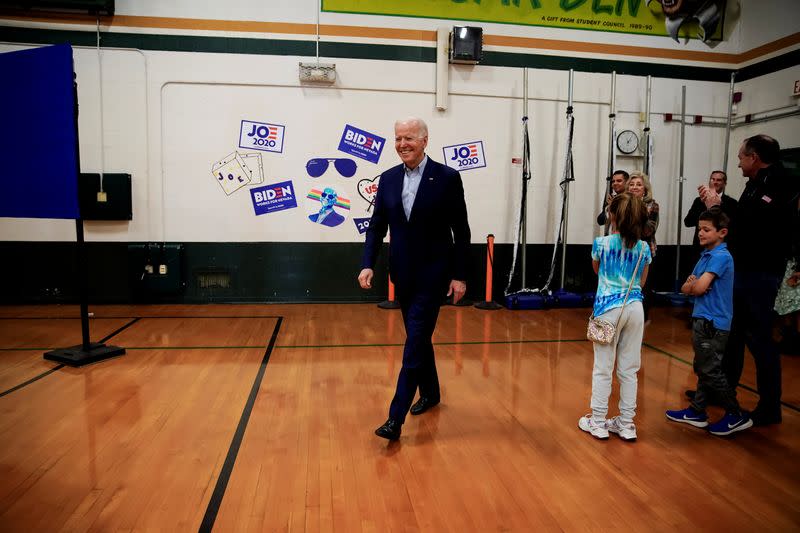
x=639, y=186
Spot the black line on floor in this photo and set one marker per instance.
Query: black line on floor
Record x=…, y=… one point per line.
x=28, y=349
x=59, y=317
x=206, y=316
x=451, y=343
x=37, y=378
x=689, y=363
x=141, y=316
x=230, y=460
x=301, y=346
x=59, y=367
x=119, y=330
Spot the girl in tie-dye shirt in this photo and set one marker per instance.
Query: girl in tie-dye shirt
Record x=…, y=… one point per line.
x=614, y=259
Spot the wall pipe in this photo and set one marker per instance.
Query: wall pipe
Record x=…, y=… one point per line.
x=442, y=66
x=681, y=179
x=525, y=178
x=612, y=117
x=647, y=155
x=568, y=176
x=728, y=123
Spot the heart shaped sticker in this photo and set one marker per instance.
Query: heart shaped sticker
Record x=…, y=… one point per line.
x=368, y=188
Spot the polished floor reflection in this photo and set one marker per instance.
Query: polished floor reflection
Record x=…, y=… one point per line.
x=260, y=418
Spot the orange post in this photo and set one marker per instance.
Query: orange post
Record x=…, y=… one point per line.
x=488, y=304
x=391, y=303
x=489, y=270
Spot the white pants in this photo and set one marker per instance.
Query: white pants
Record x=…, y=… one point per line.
x=626, y=350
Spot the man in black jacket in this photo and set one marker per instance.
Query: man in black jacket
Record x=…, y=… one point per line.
x=717, y=183
x=617, y=184
x=760, y=241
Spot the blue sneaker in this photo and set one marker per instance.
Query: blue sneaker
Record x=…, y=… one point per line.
x=730, y=423
x=698, y=419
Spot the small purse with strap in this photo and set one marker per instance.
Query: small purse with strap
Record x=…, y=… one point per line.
x=602, y=331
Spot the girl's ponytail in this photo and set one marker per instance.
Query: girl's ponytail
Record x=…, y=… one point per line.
x=630, y=217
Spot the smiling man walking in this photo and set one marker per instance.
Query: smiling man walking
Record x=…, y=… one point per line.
x=422, y=203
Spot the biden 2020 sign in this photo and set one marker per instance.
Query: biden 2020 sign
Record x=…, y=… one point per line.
x=465, y=156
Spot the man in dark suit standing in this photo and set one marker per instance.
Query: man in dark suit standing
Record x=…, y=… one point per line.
x=422, y=203
x=717, y=182
x=761, y=234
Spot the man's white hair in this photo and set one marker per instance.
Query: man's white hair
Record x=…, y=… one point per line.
x=422, y=128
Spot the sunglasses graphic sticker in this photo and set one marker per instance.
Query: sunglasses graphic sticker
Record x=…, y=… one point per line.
x=317, y=166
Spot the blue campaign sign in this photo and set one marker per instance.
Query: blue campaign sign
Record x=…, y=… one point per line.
x=362, y=224
x=38, y=137
x=275, y=197
x=361, y=143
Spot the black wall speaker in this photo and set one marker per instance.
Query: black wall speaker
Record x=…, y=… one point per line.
x=466, y=44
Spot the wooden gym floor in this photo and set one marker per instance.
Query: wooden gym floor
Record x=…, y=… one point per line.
x=260, y=418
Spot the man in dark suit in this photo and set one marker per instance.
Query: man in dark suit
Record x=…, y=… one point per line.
x=761, y=234
x=714, y=193
x=716, y=183
x=422, y=203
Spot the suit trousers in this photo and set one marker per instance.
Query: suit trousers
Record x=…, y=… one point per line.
x=420, y=311
x=753, y=303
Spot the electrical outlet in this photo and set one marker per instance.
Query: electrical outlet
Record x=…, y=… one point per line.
x=102, y=197
x=148, y=269
x=162, y=269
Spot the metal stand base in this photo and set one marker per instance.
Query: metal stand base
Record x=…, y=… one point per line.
x=488, y=306
x=77, y=356
x=389, y=304
x=567, y=299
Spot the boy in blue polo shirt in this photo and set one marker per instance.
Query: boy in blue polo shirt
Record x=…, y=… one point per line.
x=711, y=283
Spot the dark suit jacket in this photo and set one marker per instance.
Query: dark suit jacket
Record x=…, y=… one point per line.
x=430, y=249
x=692, y=218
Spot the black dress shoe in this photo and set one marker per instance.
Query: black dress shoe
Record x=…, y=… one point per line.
x=422, y=405
x=762, y=418
x=389, y=430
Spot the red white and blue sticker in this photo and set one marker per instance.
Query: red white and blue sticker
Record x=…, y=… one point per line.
x=261, y=136
x=361, y=143
x=368, y=190
x=465, y=156
x=275, y=197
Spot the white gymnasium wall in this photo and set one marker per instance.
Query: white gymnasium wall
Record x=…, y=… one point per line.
x=766, y=21
x=763, y=96
x=168, y=132
x=167, y=116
